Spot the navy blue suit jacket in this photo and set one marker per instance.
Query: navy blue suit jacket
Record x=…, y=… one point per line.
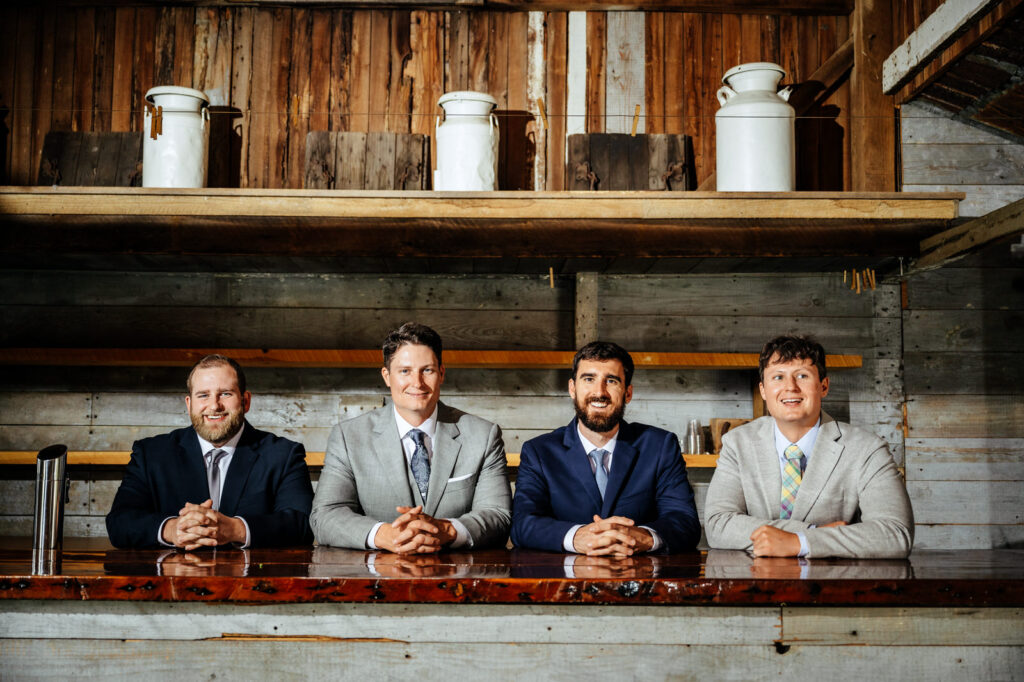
x=267, y=484
x=556, y=490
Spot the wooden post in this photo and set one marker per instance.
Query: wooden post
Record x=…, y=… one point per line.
x=872, y=128
x=586, y=308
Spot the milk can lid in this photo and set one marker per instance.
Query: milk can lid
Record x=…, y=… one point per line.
x=752, y=66
x=466, y=95
x=175, y=90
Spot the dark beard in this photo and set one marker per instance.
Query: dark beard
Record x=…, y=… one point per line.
x=599, y=424
x=231, y=427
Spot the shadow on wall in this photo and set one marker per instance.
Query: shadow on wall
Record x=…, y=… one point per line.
x=516, y=151
x=224, y=165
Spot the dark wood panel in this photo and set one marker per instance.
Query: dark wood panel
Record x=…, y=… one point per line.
x=967, y=289
x=958, y=372
x=963, y=330
x=970, y=416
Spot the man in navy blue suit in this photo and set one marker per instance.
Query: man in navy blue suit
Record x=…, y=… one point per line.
x=220, y=481
x=601, y=485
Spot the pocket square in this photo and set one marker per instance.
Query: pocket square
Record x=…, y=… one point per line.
x=460, y=478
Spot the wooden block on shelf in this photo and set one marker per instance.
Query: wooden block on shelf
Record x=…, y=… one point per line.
x=619, y=161
x=719, y=427
x=372, y=161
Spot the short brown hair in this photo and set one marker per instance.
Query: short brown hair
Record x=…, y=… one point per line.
x=412, y=333
x=604, y=350
x=792, y=348
x=212, y=361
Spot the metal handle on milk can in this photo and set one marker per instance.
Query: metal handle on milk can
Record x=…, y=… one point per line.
x=724, y=94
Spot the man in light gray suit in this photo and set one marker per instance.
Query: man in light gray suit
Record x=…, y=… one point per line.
x=798, y=483
x=416, y=476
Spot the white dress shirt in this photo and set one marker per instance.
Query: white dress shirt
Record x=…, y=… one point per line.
x=806, y=445
x=207, y=448
x=429, y=428
x=588, y=447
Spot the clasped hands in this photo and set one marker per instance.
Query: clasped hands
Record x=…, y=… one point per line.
x=772, y=541
x=200, y=525
x=414, y=532
x=615, y=536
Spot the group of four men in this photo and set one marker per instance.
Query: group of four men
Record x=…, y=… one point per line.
x=418, y=476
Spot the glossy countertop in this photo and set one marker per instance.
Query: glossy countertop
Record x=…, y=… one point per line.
x=90, y=569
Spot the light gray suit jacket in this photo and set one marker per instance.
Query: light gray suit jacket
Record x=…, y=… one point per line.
x=850, y=477
x=366, y=475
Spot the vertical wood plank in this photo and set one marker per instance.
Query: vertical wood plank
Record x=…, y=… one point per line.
x=129, y=161
x=121, y=85
x=841, y=98
x=770, y=46
x=103, y=68
x=535, y=90
x=380, y=160
x=380, y=70
x=587, y=308
x=211, y=65
x=518, y=149
x=359, y=70
x=42, y=113
x=617, y=173
x=63, y=70
x=321, y=56
x=340, y=83
x=262, y=101
x=576, y=75
x=732, y=41
x=657, y=161
x=409, y=162
x=350, y=160
x=577, y=161
x=143, y=72
x=654, y=74
x=675, y=90
x=242, y=32
x=600, y=159
x=597, y=34
x=639, y=162
x=427, y=42
x=298, y=96
x=399, y=55
x=8, y=68
x=457, y=52
x=81, y=116
x=164, y=46
x=105, y=173
x=750, y=44
x=625, y=71
x=872, y=124
x=712, y=69
x=693, y=90
x=807, y=127
x=88, y=159
x=277, y=119
x=184, y=46
x=21, y=129
x=478, y=31
x=67, y=145
x=319, y=160
x=556, y=58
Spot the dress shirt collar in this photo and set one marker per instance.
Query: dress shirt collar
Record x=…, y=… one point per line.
x=806, y=442
x=589, y=447
x=428, y=427
x=206, y=446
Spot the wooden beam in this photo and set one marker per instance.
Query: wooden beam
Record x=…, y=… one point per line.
x=961, y=240
x=326, y=223
x=478, y=359
x=816, y=7
x=821, y=82
x=931, y=37
x=313, y=459
x=586, y=308
x=872, y=115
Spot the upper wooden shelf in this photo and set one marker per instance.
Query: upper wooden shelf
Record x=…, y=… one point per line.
x=480, y=359
x=487, y=225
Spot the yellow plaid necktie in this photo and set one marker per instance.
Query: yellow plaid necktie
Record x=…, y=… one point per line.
x=791, y=477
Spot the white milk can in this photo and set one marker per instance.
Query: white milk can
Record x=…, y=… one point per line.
x=755, y=131
x=176, y=136
x=467, y=143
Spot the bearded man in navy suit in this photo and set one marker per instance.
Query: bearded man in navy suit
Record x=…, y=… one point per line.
x=217, y=482
x=601, y=485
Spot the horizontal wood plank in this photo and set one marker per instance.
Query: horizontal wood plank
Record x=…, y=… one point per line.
x=963, y=373
x=965, y=459
x=996, y=502
x=966, y=416
x=972, y=331
x=967, y=289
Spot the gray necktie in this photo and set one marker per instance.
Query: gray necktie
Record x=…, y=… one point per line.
x=420, y=463
x=597, y=463
x=213, y=475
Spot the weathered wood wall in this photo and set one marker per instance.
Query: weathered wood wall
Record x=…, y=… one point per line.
x=964, y=369
x=106, y=409
x=273, y=74
x=942, y=154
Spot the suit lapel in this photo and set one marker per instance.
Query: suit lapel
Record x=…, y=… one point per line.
x=578, y=465
x=622, y=463
x=387, y=448
x=238, y=471
x=442, y=463
x=769, y=472
x=820, y=466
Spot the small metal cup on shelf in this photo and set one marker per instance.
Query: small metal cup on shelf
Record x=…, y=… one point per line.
x=694, y=438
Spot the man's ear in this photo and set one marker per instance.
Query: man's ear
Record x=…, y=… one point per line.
x=387, y=377
x=246, y=401
x=824, y=387
x=629, y=393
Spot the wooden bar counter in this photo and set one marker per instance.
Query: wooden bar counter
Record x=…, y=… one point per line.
x=325, y=612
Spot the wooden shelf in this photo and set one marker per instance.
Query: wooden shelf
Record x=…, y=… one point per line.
x=486, y=225
x=313, y=459
x=479, y=359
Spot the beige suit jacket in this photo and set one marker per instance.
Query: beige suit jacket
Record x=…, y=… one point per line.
x=366, y=475
x=850, y=477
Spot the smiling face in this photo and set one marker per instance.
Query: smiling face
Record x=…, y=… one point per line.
x=792, y=392
x=599, y=393
x=414, y=377
x=215, y=404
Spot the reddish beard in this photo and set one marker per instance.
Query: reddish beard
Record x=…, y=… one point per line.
x=219, y=432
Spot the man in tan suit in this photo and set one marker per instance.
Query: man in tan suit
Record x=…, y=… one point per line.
x=798, y=483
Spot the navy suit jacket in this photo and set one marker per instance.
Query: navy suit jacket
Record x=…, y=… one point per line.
x=267, y=484
x=556, y=490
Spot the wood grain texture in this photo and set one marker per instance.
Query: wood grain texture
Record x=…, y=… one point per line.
x=972, y=416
